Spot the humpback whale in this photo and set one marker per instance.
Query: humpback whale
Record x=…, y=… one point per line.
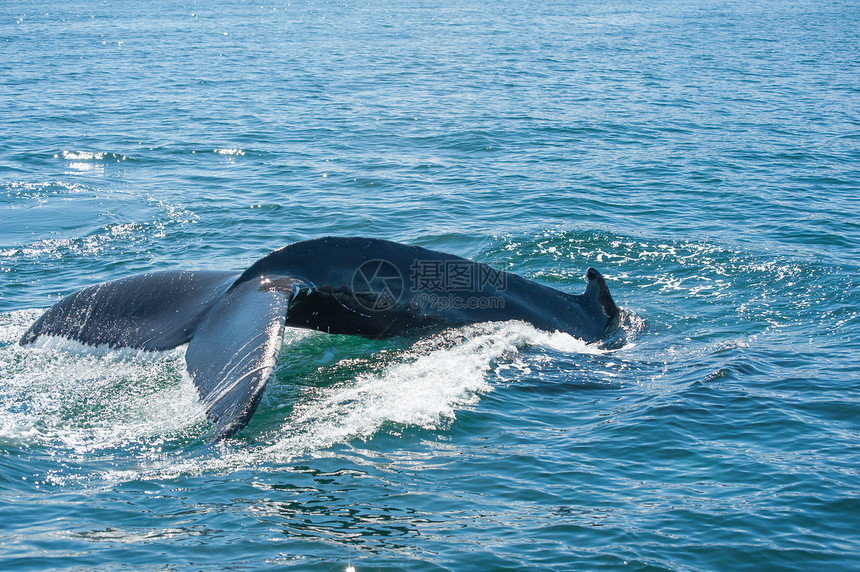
x=233, y=322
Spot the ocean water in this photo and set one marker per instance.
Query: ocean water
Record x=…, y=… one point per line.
x=705, y=156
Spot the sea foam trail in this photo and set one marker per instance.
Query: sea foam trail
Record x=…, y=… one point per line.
x=424, y=387
x=82, y=400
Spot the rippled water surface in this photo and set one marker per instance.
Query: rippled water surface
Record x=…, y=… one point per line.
x=704, y=156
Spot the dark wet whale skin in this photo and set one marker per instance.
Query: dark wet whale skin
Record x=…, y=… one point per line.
x=484, y=294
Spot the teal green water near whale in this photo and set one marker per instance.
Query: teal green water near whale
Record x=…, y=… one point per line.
x=705, y=158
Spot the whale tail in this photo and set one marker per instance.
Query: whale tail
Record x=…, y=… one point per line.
x=235, y=348
x=233, y=329
x=233, y=323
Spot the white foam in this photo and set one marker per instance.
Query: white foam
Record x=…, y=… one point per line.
x=424, y=387
x=63, y=393
x=92, y=405
x=82, y=156
x=59, y=344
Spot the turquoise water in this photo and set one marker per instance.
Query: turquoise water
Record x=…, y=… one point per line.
x=704, y=156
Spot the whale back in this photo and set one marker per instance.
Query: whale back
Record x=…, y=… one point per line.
x=374, y=288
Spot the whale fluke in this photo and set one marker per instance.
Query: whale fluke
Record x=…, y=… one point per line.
x=153, y=311
x=233, y=323
x=235, y=348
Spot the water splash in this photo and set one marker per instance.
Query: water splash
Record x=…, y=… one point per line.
x=423, y=387
x=134, y=408
x=69, y=398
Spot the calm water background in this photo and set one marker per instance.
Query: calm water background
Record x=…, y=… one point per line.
x=704, y=155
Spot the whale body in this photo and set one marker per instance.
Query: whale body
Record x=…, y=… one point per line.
x=233, y=322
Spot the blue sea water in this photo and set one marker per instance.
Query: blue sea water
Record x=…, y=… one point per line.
x=705, y=156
